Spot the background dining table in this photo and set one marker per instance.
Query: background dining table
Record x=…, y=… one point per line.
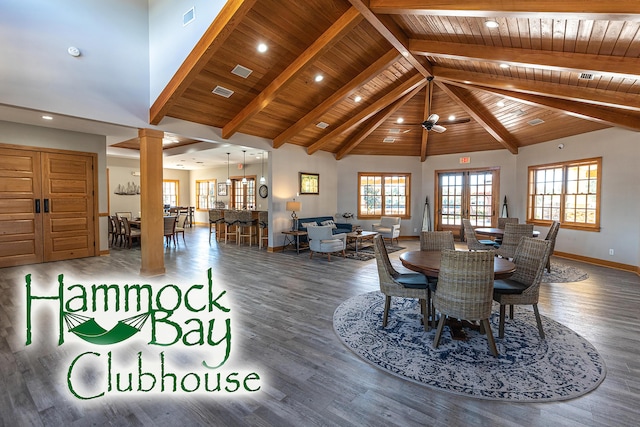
x=497, y=232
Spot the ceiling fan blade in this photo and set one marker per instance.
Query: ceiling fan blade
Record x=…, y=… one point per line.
x=438, y=128
x=433, y=118
x=455, y=121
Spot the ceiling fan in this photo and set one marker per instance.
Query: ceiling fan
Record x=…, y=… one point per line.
x=431, y=124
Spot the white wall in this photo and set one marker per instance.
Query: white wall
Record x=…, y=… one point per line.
x=108, y=82
x=169, y=41
x=35, y=136
x=620, y=201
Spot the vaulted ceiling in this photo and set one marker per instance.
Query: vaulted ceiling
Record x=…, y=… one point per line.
x=550, y=69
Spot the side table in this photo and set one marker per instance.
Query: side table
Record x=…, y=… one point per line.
x=293, y=238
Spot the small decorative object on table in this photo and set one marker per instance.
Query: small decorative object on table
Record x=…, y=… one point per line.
x=359, y=230
x=347, y=216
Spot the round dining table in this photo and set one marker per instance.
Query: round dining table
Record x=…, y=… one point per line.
x=428, y=263
x=496, y=232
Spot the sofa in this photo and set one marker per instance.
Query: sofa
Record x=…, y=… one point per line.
x=341, y=227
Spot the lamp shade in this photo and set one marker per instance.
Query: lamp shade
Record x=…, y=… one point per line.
x=294, y=206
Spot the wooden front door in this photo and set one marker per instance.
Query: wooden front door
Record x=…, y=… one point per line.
x=46, y=206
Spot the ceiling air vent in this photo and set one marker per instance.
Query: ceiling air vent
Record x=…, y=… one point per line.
x=322, y=125
x=394, y=130
x=241, y=71
x=389, y=140
x=535, y=122
x=586, y=76
x=223, y=91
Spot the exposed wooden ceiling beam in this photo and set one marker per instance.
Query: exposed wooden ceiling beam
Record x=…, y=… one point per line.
x=587, y=95
x=424, y=139
x=220, y=29
x=368, y=112
x=326, y=41
x=393, y=34
x=593, y=9
x=603, y=115
x=376, y=122
x=481, y=115
x=350, y=88
x=540, y=59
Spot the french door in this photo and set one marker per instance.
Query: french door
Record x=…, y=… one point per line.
x=471, y=194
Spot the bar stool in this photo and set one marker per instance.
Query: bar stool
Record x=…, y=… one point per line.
x=247, y=226
x=263, y=223
x=230, y=225
x=216, y=219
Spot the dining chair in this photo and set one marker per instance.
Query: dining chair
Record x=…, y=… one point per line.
x=551, y=236
x=503, y=221
x=118, y=230
x=511, y=238
x=180, y=223
x=473, y=244
x=127, y=215
x=170, y=229
x=523, y=286
x=465, y=286
x=436, y=240
x=130, y=234
x=395, y=284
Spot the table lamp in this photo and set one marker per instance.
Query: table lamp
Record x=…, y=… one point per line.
x=293, y=207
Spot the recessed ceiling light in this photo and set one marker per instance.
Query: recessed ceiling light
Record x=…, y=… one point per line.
x=47, y=117
x=400, y=120
x=319, y=78
x=262, y=48
x=358, y=98
x=405, y=53
x=500, y=103
x=452, y=117
x=491, y=24
x=503, y=65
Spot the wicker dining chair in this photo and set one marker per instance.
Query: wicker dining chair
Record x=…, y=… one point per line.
x=472, y=241
x=523, y=286
x=465, y=286
x=503, y=221
x=395, y=284
x=436, y=240
x=551, y=236
x=511, y=238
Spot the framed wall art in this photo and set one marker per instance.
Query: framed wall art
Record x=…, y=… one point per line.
x=309, y=183
x=222, y=189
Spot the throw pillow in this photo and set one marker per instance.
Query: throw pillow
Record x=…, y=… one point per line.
x=309, y=224
x=329, y=222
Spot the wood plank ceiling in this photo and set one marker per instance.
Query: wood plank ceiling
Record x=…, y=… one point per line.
x=517, y=84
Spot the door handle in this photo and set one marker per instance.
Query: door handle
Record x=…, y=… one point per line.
x=37, y=205
x=46, y=205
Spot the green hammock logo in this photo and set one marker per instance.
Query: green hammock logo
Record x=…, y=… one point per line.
x=89, y=330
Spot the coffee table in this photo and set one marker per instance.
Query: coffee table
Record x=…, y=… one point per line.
x=358, y=238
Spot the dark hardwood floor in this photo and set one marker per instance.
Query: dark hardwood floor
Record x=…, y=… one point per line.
x=282, y=307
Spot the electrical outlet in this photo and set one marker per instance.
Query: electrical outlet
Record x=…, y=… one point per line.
x=610, y=251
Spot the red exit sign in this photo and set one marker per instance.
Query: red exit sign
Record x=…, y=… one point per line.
x=465, y=160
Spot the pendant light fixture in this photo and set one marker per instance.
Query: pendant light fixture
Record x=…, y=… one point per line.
x=262, y=178
x=244, y=164
x=228, y=178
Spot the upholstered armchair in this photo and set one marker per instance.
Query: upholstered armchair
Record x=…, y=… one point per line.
x=388, y=227
x=322, y=239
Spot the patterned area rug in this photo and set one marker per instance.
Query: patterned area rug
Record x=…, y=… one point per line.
x=528, y=369
x=561, y=273
x=366, y=253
